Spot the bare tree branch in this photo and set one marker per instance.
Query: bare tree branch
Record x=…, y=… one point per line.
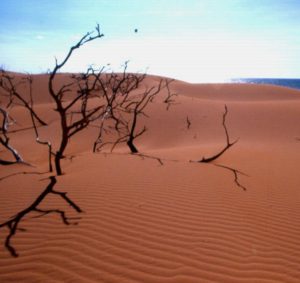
x=8, y=85
x=188, y=122
x=228, y=143
x=169, y=100
x=84, y=92
x=38, y=140
x=127, y=100
x=4, y=139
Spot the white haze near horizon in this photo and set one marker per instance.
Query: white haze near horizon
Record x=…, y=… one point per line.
x=191, y=60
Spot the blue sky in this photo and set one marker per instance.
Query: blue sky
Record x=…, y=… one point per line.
x=192, y=40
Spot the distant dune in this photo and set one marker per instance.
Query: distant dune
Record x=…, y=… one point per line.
x=179, y=221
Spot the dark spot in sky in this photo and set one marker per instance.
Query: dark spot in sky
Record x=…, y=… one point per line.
x=136, y=30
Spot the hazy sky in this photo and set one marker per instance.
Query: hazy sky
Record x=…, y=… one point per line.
x=193, y=40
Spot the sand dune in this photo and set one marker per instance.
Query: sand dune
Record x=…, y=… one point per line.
x=177, y=222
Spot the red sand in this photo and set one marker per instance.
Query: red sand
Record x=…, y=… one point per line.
x=177, y=222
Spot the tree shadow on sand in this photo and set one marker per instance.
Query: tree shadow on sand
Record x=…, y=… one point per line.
x=22, y=173
x=13, y=223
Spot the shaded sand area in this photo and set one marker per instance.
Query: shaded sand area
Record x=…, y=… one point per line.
x=180, y=221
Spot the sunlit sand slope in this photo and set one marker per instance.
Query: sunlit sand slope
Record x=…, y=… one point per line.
x=166, y=220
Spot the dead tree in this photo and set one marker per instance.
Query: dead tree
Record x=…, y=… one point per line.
x=118, y=97
x=228, y=143
x=12, y=96
x=13, y=223
x=16, y=98
x=127, y=98
x=75, y=114
x=170, y=98
x=115, y=89
x=135, y=108
x=10, y=85
x=75, y=111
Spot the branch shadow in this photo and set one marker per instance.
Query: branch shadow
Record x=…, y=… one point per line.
x=236, y=175
x=12, y=224
x=22, y=173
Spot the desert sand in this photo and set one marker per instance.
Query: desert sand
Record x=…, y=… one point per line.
x=180, y=221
